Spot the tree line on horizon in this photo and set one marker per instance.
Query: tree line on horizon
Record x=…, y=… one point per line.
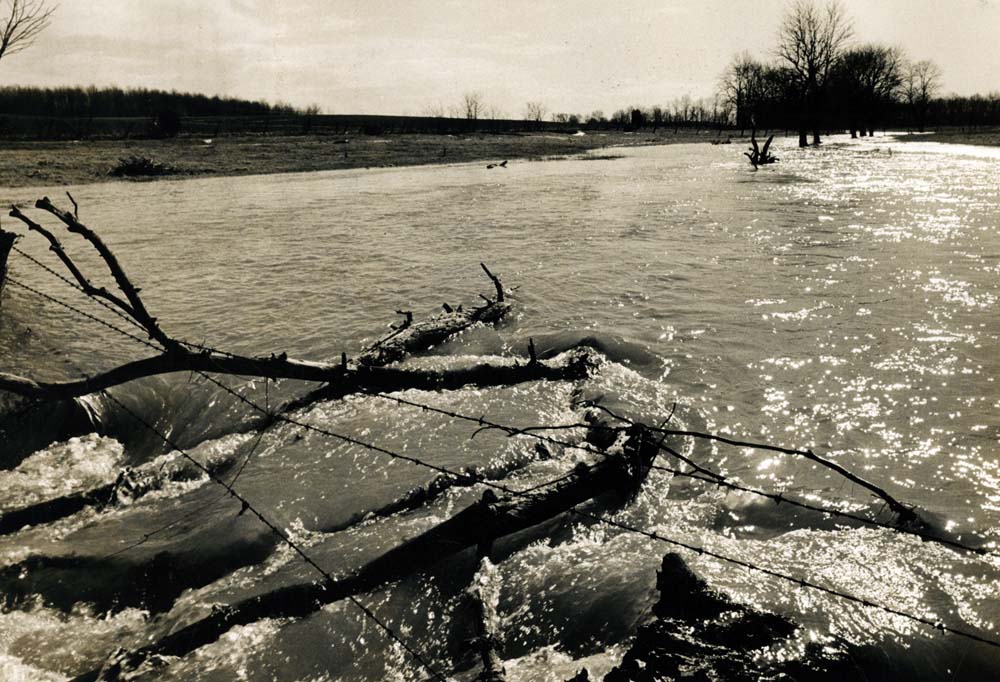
x=818, y=81
x=95, y=102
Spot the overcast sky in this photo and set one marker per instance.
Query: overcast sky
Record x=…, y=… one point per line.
x=402, y=56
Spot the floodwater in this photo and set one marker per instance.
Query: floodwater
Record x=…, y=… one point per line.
x=844, y=300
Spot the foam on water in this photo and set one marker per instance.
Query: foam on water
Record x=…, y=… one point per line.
x=77, y=464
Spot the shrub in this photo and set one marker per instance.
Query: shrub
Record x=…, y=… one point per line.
x=139, y=166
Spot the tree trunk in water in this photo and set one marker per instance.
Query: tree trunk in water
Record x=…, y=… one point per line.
x=815, y=132
x=803, y=137
x=854, y=133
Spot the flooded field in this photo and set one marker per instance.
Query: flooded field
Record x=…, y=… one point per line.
x=843, y=300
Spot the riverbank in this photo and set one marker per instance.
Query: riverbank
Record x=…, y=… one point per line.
x=33, y=164
x=987, y=137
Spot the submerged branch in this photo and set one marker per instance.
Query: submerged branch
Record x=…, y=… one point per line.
x=411, y=336
x=905, y=515
x=474, y=526
x=357, y=380
x=342, y=380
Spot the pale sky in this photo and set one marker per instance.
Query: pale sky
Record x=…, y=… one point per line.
x=402, y=56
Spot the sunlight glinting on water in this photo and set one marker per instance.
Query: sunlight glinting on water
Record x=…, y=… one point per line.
x=843, y=300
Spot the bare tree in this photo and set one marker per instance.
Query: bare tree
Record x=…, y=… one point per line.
x=472, y=103
x=810, y=41
x=534, y=111
x=20, y=23
x=742, y=86
x=921, y=83
x=867, y=82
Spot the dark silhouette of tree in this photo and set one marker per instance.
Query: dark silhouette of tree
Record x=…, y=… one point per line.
x=742, y=86
x=810, y=41
x=866, y=83
x=657, y=116
x=922, y=80
x=20, y=23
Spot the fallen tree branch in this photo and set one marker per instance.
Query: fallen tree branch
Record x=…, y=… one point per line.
x=391, y=379
x=480, y=523
x=412, y=336
x=184, y=361
x=133, y=305
x=130, y=485
x=905, y=515
x=343, y=381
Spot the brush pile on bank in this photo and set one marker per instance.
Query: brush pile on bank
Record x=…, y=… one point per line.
x=140, y=167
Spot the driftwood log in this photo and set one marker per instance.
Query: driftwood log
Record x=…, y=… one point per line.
x=475, y=526
x=410, y=336
x=342, y=379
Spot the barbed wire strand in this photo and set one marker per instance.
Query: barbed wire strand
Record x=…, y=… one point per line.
x=717, y=479
x=245, y=504
x=118, y=313
x=650, y=534
x=482, y=421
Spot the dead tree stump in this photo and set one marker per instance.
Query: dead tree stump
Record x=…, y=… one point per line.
x=760, y=156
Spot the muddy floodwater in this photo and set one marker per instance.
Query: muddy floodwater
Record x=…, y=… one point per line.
x=843, y=300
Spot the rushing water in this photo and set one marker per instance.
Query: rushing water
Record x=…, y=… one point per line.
x=844, y=300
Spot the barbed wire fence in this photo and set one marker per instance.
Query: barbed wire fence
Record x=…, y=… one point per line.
x=699, y=473
x=229, y=488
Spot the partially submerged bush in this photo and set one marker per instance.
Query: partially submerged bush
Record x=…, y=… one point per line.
x=139, y=166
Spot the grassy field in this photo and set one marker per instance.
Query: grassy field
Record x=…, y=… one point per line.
x=989, y=137
x=24, y=164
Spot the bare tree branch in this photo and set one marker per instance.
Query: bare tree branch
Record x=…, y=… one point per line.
x=22, y=21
